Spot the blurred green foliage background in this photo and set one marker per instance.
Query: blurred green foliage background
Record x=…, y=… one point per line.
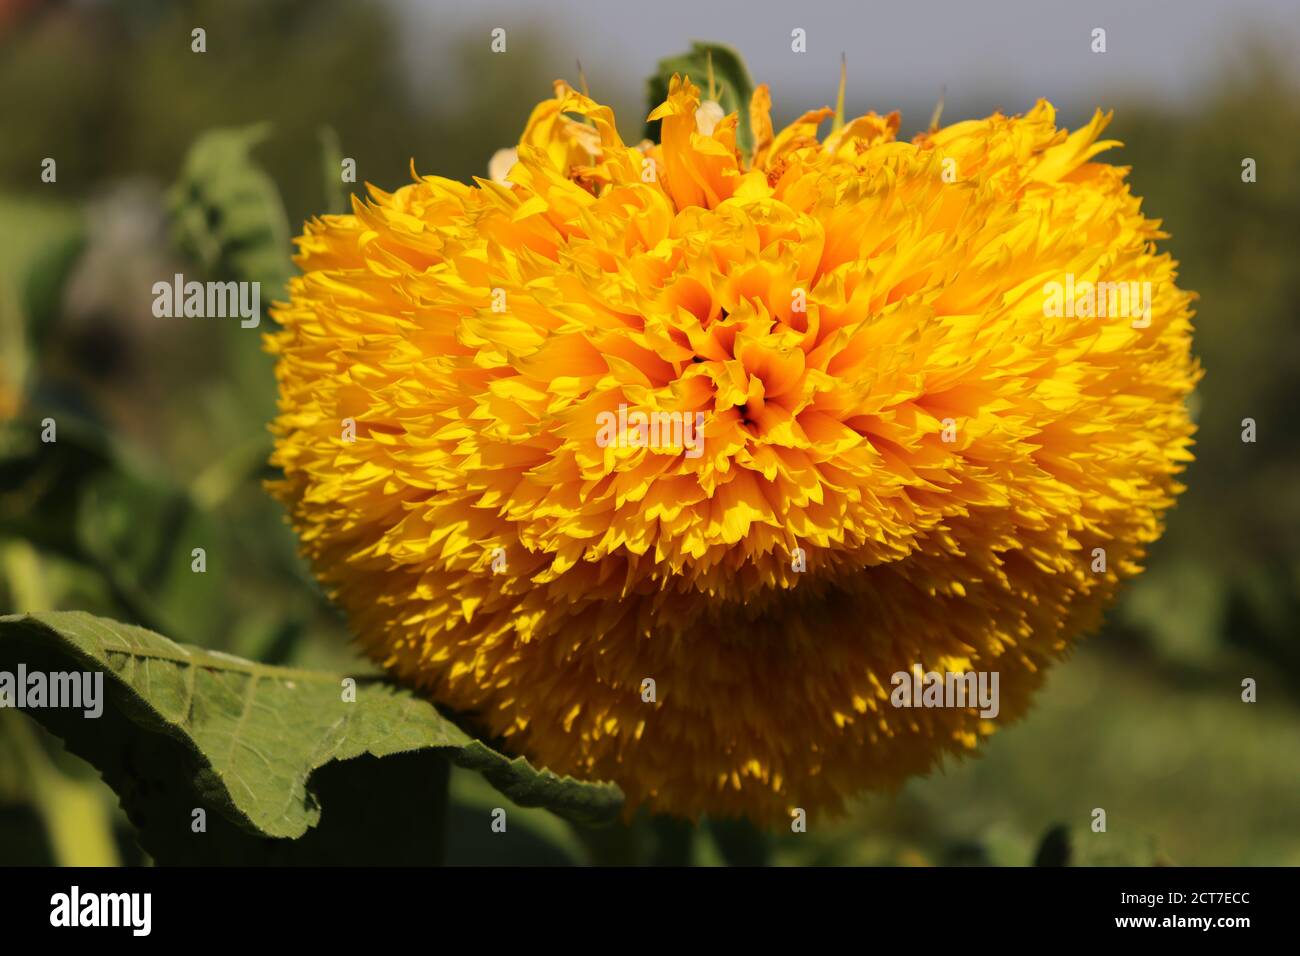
x=162, y=438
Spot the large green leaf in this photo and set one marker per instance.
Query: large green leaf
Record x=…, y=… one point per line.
x=287, y=770
x=732, y=86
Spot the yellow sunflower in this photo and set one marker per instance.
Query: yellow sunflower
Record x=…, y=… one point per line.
x=908, y=456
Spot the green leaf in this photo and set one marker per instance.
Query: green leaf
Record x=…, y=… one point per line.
x=40, y=243
x=41, y=485
x=81, y=498
x=534, y=837
x=226, y=211
x=287, y=770
x=138, y=533
x=731, y=81
x=337, y=199
x=227, y=216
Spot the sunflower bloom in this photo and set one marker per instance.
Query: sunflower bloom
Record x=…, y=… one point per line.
x=906, y=459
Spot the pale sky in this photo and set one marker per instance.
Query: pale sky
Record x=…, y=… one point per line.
x=994, y=53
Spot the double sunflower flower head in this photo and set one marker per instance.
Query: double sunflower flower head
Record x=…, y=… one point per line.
x=907, y=457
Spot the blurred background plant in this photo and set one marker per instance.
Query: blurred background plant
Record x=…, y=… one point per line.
x=161, y=424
